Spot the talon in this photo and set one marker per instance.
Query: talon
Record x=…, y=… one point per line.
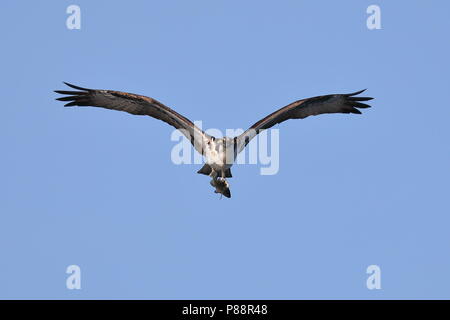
x=221, y=186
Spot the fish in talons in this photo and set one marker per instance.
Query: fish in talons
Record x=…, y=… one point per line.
x=221, y=185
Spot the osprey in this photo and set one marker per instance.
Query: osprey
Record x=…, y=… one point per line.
x=219, y=153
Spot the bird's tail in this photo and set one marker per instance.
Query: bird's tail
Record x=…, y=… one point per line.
x=206, y=170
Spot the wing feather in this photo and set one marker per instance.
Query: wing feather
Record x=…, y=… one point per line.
x=137, y=105
x=333, y=103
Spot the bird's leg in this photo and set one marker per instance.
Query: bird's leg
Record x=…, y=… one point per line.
x=223, y=179
x=213, y=175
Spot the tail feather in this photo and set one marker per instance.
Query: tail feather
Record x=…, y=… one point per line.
x=206, y=170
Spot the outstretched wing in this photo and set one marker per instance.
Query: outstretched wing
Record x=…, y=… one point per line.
x=134, y=104
x=333, y=103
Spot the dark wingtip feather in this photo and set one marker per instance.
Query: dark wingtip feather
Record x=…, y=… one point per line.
x=69, y=92
x=354, y=103
x=71, y=104
x=354, y=93
x=359, y=105
x=355, y=111
x=67, y=98
x=359, y=98
x=76, y=87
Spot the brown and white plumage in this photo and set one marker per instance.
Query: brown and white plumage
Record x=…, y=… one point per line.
x=216, y=151
x=137, y=105
x=300, y=109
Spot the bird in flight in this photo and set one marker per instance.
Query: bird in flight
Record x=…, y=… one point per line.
x=219, y=153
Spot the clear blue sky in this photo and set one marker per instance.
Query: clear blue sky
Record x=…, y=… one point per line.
x=92, y=187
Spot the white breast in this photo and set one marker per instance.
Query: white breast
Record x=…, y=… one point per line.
x=216, y=156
